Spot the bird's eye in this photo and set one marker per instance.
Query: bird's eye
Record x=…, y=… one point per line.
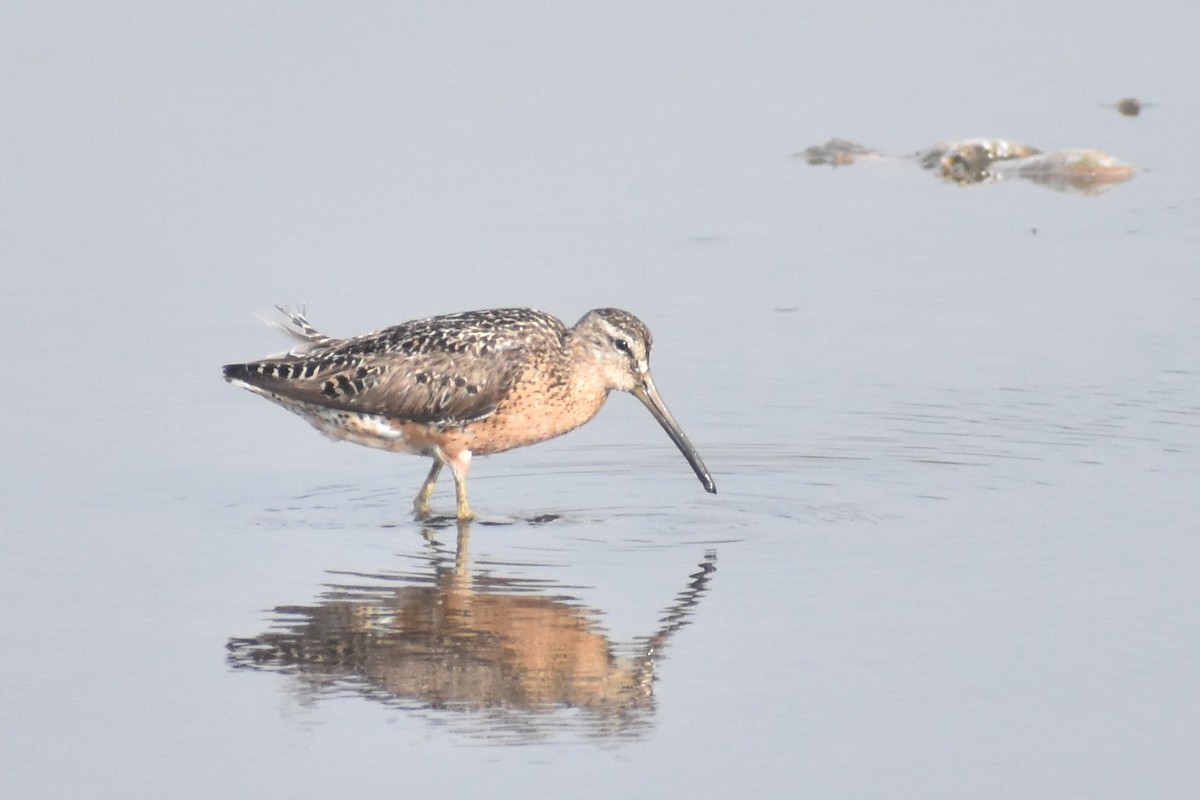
x=621, y=345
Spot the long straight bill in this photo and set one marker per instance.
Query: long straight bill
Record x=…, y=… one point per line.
x=649, y=396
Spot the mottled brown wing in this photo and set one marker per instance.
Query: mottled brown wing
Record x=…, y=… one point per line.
x=448, y=369
x=435, y=387
x=442, y=387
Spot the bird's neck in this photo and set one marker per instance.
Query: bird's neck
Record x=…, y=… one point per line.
x=584, y=385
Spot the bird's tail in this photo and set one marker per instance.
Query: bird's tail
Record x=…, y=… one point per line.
x=299, y=327
x=295, y=326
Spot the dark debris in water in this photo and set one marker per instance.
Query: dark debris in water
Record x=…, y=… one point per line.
x=1129, y=106
x=837, y=153
x=442, y=522
x=985, y=160
x=971, y=160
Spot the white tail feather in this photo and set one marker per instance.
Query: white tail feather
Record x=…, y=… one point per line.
x=297, y=327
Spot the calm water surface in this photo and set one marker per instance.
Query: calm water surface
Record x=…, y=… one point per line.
x=955, y=430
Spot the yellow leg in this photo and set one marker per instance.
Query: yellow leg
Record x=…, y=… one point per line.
x=459, y=466
x=421, y=501
x=460, y=492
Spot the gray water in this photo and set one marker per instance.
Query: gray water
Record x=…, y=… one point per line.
x=955, y=430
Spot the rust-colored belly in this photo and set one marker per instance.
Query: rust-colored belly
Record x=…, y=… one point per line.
x=527, y=416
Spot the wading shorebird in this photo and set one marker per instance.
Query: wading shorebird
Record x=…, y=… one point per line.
x=458, y=385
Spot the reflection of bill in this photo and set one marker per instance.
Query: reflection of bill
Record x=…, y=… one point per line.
x=446, y=640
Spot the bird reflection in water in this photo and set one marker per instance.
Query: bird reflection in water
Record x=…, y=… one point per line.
x=506, y=658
